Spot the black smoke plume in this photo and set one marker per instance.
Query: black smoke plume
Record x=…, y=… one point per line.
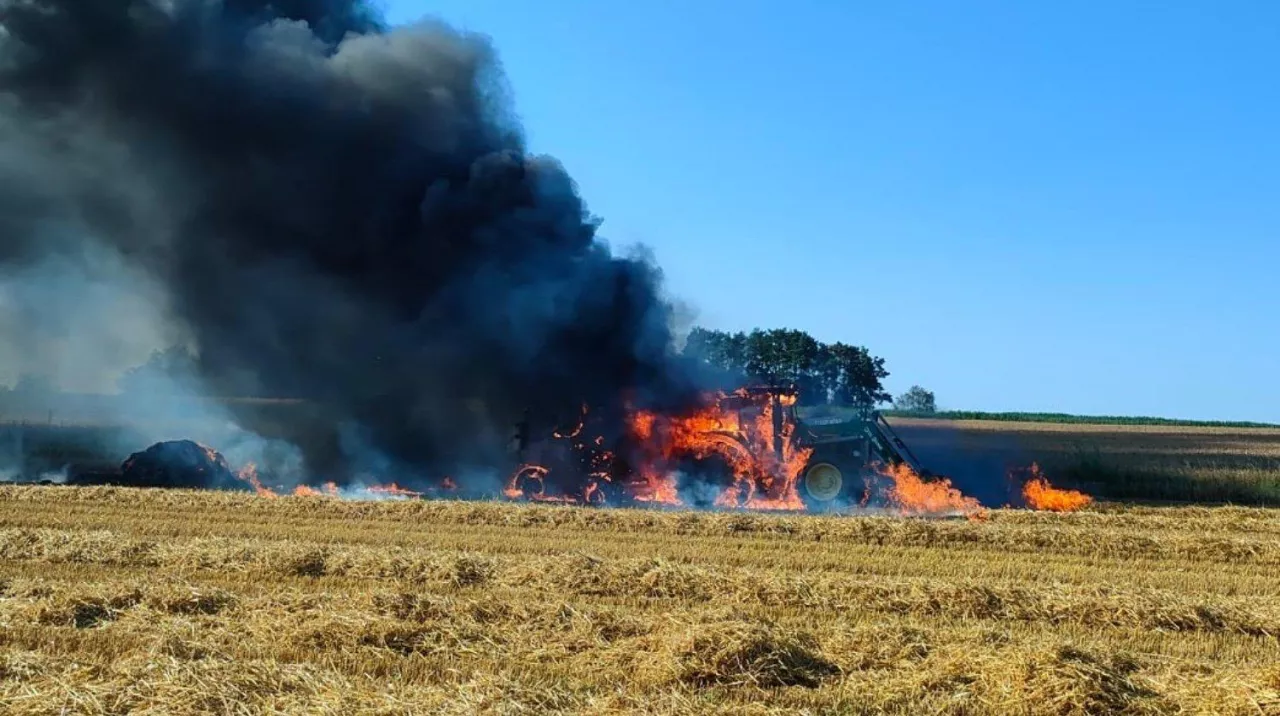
x=336, y=210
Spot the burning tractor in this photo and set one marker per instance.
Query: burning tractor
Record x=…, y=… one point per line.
x=748, y=448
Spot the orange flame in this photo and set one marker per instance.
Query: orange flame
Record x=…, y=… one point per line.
x=768, y=480
x=593, y=495
x=582, y=421
x=528, y=482
x=755, y=443
x=912, y=495
x=1040, y=495
x=394, y=490
x=249, y=474
x=763, y=460
x=650, y=483
x=211, y=454
x=524, y=475
x=328, y=489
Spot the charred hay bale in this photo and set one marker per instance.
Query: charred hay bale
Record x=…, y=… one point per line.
x=179, y=463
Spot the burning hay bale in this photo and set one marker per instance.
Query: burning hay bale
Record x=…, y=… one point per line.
x=179, y=463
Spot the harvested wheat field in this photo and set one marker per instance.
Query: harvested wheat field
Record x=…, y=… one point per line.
x=120, y=601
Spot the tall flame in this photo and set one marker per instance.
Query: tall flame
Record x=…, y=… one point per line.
x=769, y=481
x=756, y=445
x=763, y=460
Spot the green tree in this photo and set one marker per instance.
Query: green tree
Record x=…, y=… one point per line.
x=916, y=400
x=821, y=372
x=781, y=355
x=719, y=349
x=858, y=375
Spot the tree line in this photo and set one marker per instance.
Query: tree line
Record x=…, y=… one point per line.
x=823, y=372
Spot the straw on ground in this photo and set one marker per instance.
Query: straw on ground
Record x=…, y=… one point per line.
x=123, y=601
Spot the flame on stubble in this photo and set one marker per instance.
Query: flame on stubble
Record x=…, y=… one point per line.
x=1040, y=495
x=393, y=490
x=328, y=489
x=249, y=474
x=910, y=494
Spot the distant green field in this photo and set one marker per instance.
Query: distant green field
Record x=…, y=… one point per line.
x=1069, y=419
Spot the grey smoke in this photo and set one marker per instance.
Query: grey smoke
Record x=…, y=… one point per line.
x=327, y=209
x=78, y=319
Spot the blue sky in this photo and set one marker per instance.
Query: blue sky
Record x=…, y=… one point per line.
x=1021, y=206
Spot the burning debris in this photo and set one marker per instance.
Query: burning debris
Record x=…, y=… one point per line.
x=188, y=464
x=746, y=449
x=744, y=438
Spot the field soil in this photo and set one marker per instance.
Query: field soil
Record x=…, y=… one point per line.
x=117, y=601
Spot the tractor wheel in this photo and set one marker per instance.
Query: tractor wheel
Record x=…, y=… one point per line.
x=824, y=485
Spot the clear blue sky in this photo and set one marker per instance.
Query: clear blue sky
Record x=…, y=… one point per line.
x=1019, y=205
